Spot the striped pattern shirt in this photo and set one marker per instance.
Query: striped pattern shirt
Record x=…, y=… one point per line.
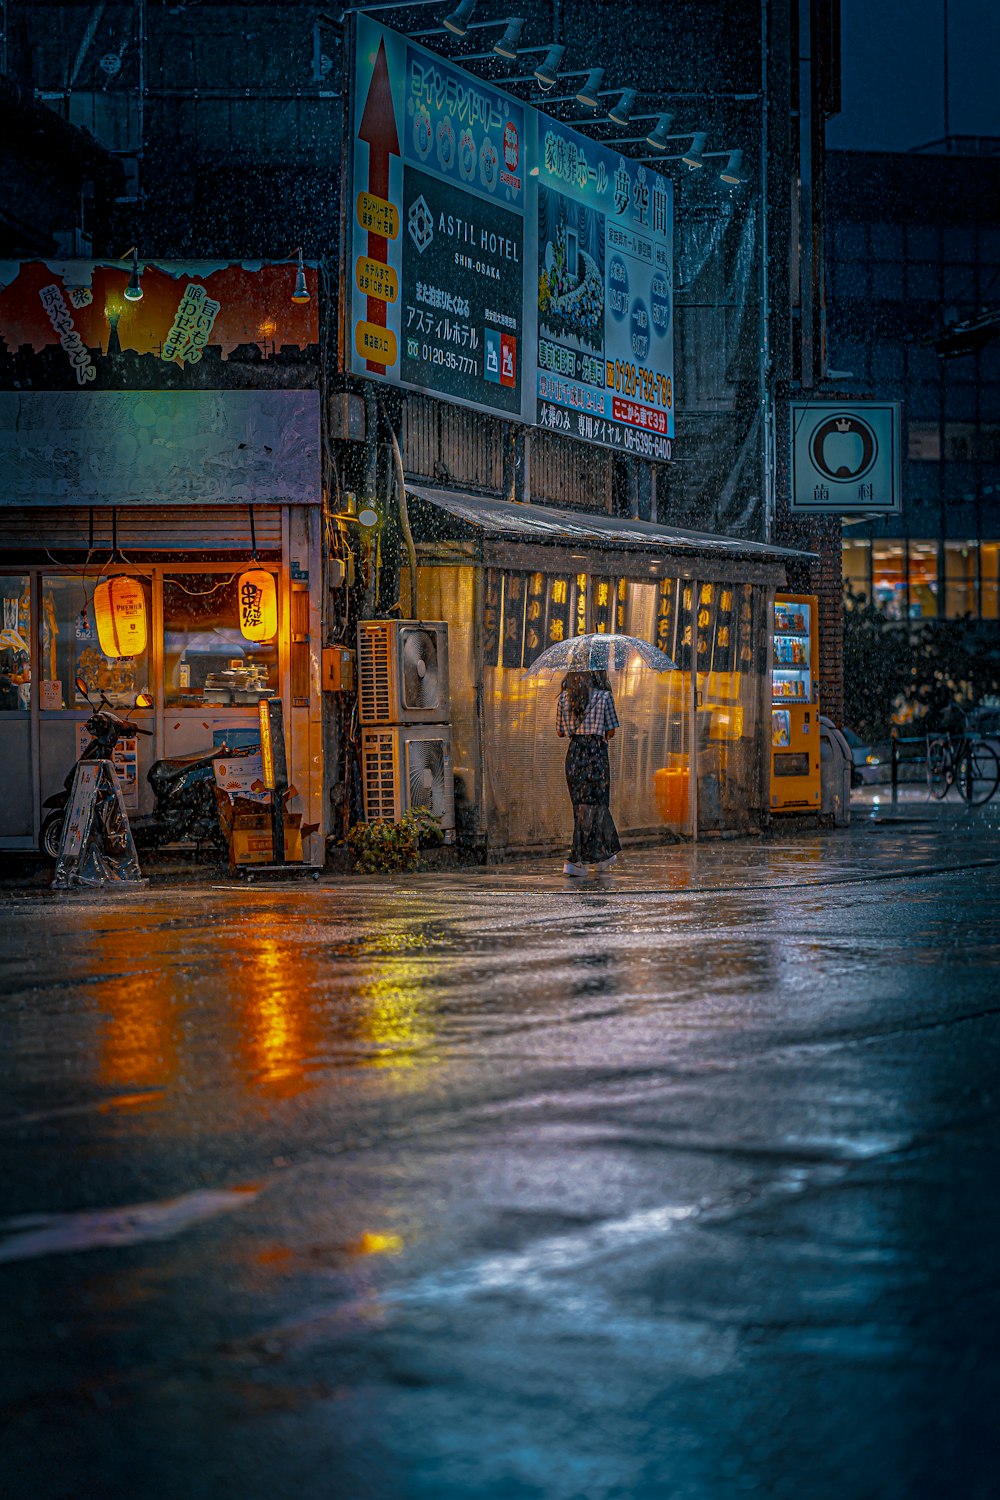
x=598, y=717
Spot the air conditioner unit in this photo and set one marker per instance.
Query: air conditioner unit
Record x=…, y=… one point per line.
x=408, y=766
x=403, y=672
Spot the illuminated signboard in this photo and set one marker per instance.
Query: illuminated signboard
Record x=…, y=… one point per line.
x=502, y=261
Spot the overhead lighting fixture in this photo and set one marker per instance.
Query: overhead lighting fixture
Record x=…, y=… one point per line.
x=458, y=21
x=301, y=292
x=133, y=292
x=507, y=45
x=590, y=90
x=731, y=171
x=693, y=155
x=660, y=133
x=548, y=69
x=620, y=113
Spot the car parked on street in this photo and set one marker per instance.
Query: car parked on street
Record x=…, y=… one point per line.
x=868, y=762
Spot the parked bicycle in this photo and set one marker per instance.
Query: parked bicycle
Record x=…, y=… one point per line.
x=962, y=761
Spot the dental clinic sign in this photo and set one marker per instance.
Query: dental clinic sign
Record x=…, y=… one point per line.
x=845, y=458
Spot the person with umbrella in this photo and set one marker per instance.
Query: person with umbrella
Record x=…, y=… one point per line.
x=585, y=714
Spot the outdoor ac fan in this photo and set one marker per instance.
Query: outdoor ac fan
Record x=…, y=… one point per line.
x=425, y=773
x=421, y=674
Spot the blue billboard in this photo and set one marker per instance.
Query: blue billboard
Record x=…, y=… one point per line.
x=501, y=260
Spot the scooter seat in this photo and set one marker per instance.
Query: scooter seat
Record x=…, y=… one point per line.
x=179, y=765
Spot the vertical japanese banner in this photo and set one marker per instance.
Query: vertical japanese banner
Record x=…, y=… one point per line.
x=514, y=593
x=666, y=616
x=621, y=605
x=580, y=605
x=685, y=627
x=604, y=604
x=557, y=624
x=492, y=605
x=534, y=621
x=706, y=618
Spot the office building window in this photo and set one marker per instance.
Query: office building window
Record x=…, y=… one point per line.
x=858, y=570
x=961, y=579
x=889, y=578
x=989, y=562
x=923, y=575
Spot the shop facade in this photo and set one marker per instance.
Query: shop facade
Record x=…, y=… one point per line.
x=692, y=756
x=182, y=486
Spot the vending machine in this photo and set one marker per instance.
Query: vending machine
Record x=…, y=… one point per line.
x=795, y=750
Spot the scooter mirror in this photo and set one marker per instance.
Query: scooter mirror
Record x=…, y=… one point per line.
x=143, y=700
x=82, y=689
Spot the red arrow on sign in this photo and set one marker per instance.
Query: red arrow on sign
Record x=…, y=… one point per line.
x=378, y=129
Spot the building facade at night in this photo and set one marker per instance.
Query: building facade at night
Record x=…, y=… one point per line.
x=203, y=148
x=914, y=316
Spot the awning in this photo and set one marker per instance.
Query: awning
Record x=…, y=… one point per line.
x=498, y=532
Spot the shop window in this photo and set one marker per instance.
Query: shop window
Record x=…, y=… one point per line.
x=961, y=579
x=69, y=648
x=857, y=569
x=989, y=562
x=889, y=578
x=206, y=658
x=15, y=643
x=923, y=573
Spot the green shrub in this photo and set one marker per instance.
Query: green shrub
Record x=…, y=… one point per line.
x=382, y=847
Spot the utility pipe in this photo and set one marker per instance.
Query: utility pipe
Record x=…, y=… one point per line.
x=404, y=521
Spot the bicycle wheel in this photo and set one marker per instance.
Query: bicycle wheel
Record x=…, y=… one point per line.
x=978, y=774
x=939, y=772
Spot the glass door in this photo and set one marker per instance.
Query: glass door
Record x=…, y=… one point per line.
x=17, y=805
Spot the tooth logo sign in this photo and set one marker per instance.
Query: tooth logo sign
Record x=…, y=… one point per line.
x=843, y=447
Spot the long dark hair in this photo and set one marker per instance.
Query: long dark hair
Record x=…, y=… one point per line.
x=602, y=681
x=577, y=686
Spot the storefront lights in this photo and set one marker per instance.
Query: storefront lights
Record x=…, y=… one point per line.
x=258, y=605
x=120, y=615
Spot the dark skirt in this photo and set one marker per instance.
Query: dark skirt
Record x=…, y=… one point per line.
x=588, y=777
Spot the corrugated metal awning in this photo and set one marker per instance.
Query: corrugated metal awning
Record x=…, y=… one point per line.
x=444, y=515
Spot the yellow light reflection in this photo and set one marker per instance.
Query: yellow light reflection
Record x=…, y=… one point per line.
x=372, y=1243
x=139, y=1032
x=276, y=1020
x=395, y=1021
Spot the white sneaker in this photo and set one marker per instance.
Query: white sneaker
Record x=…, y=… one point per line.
x=606, y=864
x=569, y=868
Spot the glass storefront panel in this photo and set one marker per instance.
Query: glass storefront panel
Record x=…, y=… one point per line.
x=15, y=643
x=889, y=578
x=857, y=569
x=923, y=568
x=206, y=658
x=990, y=565
x=70, y=648
x=961, y=579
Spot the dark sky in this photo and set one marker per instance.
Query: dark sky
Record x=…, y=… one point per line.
x=893, y=72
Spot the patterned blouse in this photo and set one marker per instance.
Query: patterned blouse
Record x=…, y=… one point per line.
x=598, y=717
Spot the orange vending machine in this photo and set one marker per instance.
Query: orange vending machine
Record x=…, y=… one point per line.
x=795, y=777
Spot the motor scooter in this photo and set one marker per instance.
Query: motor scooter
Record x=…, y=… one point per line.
x=183, y=786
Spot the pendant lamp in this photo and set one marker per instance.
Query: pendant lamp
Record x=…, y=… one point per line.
x=258, y=605
x=120, y=616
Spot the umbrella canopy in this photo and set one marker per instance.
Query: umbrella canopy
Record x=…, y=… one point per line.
x=599, y=653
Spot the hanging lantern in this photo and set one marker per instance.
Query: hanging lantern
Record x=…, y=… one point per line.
x=120, y=615
x=258, y=603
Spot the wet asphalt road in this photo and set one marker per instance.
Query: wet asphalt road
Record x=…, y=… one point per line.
x=678, y=1184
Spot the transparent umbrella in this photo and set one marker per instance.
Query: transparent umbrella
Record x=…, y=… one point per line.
x=599, y=653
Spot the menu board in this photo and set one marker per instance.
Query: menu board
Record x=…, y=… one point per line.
x=500, y=260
